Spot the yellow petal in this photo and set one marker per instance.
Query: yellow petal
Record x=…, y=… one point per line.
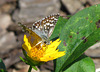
x=42, y=52
x=26, y=44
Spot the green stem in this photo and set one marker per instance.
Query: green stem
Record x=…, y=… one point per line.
x=30, y=68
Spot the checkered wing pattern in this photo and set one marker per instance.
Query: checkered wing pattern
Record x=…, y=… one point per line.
x=46, y=24
x=42, y=29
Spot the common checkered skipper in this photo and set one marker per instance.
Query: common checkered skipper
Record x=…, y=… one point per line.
x=42, y=29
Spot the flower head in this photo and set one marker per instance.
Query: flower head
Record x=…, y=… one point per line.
x=42, y=52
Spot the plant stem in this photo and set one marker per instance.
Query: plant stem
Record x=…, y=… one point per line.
x=30, y=68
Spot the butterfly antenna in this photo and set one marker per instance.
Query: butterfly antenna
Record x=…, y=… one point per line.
x=22, y=26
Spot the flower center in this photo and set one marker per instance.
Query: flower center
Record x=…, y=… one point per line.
x=37, y=52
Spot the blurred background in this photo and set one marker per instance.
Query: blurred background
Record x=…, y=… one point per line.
x=27, y=12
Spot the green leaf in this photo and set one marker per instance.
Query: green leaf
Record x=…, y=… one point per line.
x=79, y=33
x=82, y=64
x=1, y=70
x=2, y=66
x=34, y=67
x=23, y=60
x=28, y=63
x=57, y=30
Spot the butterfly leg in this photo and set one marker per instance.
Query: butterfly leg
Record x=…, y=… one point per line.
x=38, y=43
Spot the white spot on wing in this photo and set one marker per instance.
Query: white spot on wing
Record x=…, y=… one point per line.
x=47, y=23
x=51, y=24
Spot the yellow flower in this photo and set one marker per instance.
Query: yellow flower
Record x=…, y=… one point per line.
x=42, y=52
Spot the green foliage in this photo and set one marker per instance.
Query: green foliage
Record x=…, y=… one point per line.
x=2, y=66
x=82, y=64
x=31, y=64
x=58, y=28
x=77, y=34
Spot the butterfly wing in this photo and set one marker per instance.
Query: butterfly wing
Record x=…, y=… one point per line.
x=33, y=34
x=42, y=29
x=46, y=25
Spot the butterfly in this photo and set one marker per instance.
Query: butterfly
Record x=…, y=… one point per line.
x=42, y=29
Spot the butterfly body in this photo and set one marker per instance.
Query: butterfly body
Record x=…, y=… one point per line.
x=42, y=29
